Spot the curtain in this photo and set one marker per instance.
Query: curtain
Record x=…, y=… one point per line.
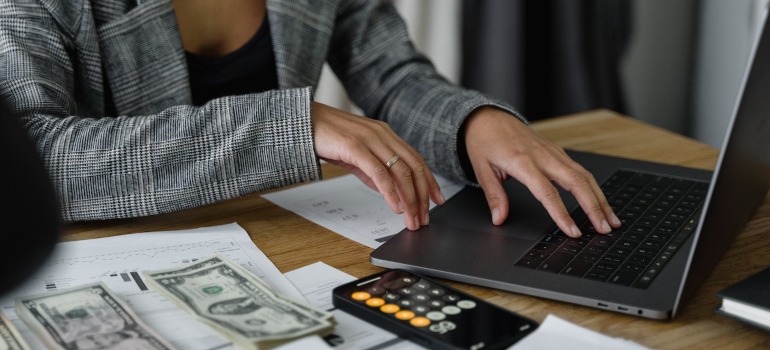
x=546, y=57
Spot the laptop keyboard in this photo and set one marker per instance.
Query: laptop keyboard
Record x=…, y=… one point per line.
x=658, y=214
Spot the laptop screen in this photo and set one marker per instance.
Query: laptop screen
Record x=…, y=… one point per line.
x=742, y=175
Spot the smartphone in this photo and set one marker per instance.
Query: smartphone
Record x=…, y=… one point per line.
x=430, y=313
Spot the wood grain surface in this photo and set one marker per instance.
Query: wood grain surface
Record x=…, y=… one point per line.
x=292, y=242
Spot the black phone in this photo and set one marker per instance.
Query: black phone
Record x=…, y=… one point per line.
x=430, y=313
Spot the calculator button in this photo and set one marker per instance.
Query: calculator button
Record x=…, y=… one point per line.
x=451, y=298
x=406, y=303
x=376, y=290
x=442, y=327
x=404, y=315
x=406, y=291
x=419, y=321
x=407, y=280
x=375, y=302
x=451, y=310
x=391, y=297
x=435, y=316
x=390, y=308
x=360, y=296
x=421, y=297
x=420, y=309
x=436, y=303
x=466, y=304
x=436, y=292
x=422, y=285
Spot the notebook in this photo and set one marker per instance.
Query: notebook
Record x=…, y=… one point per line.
x=748, y=300
x=677, y=223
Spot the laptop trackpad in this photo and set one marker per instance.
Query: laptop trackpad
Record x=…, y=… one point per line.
x=527, y=218
x=436, y=245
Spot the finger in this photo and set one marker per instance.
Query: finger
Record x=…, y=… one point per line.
x=609, y=213
x=421, y=178
x=497, y=199
x=418, y=162
x=548, y=195
x=371, y=168
x=402, y=178
x=425, y=183
x=581, y=183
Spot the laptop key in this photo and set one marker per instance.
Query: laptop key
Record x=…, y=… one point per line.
x=528, y=263
x=624, y=277
x=625, y=243
x=613, y=259
x=598, y=275
x=589, y=257
x=569, y=249
x=636, y=268
x=620, y=251
x=639, y=259
x=535, y=255
x=605, y=266
x=577, y=268
x=545, y=247
x=555, y=262
x=553, y=239
x=595, y=249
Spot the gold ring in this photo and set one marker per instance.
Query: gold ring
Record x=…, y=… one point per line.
x=391, y=162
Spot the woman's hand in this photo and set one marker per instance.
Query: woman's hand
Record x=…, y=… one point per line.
x=499, y=145
x=364, y=147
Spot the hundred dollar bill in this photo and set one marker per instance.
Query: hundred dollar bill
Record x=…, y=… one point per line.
x=219, y=259
x=86, y=317
x=235, y=303
x=9, y=336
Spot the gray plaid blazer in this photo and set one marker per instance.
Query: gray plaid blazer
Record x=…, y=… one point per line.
x=102, y=88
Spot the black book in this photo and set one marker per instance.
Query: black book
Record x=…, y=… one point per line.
x=748, y=300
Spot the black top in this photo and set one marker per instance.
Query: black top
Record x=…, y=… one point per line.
x=249, y=69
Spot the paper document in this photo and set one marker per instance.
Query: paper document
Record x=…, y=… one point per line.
x=556, y=333
x=316, y=282
x=118, y=261
x=346, y=206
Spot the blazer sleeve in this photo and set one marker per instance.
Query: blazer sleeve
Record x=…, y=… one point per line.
x=384, y=75
x=129, y=166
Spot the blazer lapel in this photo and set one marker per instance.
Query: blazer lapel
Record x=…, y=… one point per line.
x=144, y=63
x=300, y=32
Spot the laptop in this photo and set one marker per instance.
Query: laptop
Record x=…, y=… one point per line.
x=677, y=223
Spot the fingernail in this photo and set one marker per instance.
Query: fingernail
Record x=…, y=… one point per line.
x=441, y=198
x=605, y=226
x=495, y=215
x=416, y=222
x=614, y=219
x=576, y=232
x=400, y=207
x=425, y=219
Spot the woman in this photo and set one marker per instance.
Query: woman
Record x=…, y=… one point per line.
x=106, y=93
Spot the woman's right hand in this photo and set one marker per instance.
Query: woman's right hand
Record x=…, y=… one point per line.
x=364, y=146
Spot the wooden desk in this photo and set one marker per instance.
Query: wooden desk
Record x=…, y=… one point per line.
x=292, y=242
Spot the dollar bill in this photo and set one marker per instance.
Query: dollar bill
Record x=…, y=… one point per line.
x=235, y=303
x=219, y=259
x=86, y=317
x=9, y=336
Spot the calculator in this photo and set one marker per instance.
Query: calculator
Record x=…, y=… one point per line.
x=429, y=313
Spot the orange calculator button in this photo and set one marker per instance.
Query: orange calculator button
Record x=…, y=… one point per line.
x=360, y=295
x=404, y=315
x=420, y=321
x=375, y=302
x=390, y=308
